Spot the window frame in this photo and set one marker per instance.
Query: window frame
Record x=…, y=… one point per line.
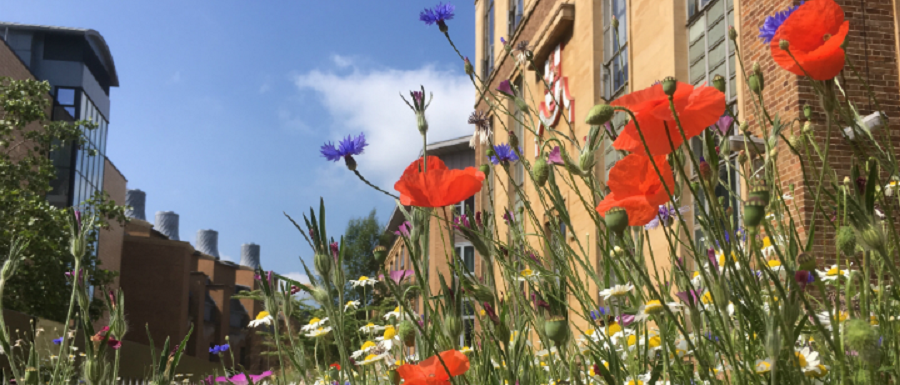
x=465, y=303
x=516, y=13
x=487, y=62
x=620, y=53
x=728, y=64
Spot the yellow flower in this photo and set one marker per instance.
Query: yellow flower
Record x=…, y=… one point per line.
x=590, y=331
x=766, y=242
x=632, y=340
x=363, y=278
x=655, y=342
x=261, y=315
x=653, y=306
x=817, y=371
x=482, y=312
x=774, y=262
x=614, y=328
x=706, y=298
x=368, y=344
x=389, y=332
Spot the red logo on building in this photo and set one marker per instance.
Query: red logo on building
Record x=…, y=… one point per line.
x=557, y=95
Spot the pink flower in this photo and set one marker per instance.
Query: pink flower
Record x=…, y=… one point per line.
x=403, y=229
x=506, y=89
x=239, y=379
x=398, y=275
x=724, y=124
x=554, y=157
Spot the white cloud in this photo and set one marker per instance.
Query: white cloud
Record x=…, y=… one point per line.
x=227, y=258
x=342, y=61
x=298, y=276
x=369, y=101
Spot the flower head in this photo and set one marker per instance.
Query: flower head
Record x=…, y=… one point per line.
x=363, y=281
x=666, y=216
x=438, y=186
x=439, y=14
x=398, y=275
x=616, y=291
x=219, y=349
x=403, y=229
x=724, y=124
x=697, y=109
x=555, y=156
x=506, y=89
x=263, y=318
x=432, y=371
x=772, y=23
x=240, y=379
x=482, y=128
x=636, y=188
x=349, y=146
x=504, y=154
x=816, y=31
x=351, y=305
x=57, y=341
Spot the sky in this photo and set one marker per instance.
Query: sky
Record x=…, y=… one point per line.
x=223, y=105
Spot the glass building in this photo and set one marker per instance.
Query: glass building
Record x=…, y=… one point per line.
x=79, y=67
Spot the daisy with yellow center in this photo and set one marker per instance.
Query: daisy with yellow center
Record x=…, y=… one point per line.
x=363, y=281
x=763, y=366
x=397, y=313
x=817, y=371
x=891, y=187
x=775, y=265
x=371, y=328
x=833, y=274
x=466, y=350
x=351, y=305
x=826, y=319
x=373, y=358
x=654, y=306
x=616, y=291
x=768, y=249
x=263, y=318
x=389, y=338
x=364, y=349
x=314, y=324
x=320, y=332
x=806, y=358
x=528, y=275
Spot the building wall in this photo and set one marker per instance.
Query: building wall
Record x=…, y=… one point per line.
x=112, y=238
x=13, y=68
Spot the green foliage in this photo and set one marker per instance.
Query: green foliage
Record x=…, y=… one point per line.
x=360, y=238
x=27, y=137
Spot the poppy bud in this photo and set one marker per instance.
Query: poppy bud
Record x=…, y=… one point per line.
x=323, y=263
x=521, y=105
x=670, y=85
x=540, y=171
x=873, y=237
x=586, y=161
x=732, y=33
x=380, y=253
x=617, y=220
x=407, y=332
x=745, y=128
x=761, y=190
x=861, y=336
x=705, y=170
x=503, y=332
x=757, y=85
x=742, y=157
x=600, y=114
x=784, y=45
x=806, y=262
x=719, y=83
x=615, y=22
x=468, y=67
x=351, y=163
x=320, y=295
x=807, y=127
x=557, y=329
x=452, y=326
x=421, y=122
x=486, y=169
x=513, y=140
x=482, y=294
x=807, y=111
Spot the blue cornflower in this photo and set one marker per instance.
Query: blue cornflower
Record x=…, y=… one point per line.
x=439, y=14
x=346, y=149
x=503, y=153
x=772, y=23
x=57, y=341
x=218, y=349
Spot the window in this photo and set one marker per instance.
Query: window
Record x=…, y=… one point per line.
x=615, y=52
x=466, y=253
x=710, y=52
x=487, y=61
x=466, y=207
x=65, y=97
x=516, y=8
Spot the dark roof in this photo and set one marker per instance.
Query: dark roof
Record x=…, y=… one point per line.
x=97, y=42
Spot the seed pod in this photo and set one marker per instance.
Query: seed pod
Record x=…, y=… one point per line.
x=784, y=45
x=806, y=262
x=756, y=82
x=408, y=333
x=846, y=240
x=670, y=85
x=807, y=111
x=557, y=329
x=617, y=220
x=754, y=212
x=719, y=83
x=540, y=171
x=380, y=253
x=600, y=114
x=323, y=263
x=486, y=169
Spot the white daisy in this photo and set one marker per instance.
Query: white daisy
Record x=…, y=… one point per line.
x=768, y=248
x=363, y=281
x=314, y=324
x=891, y=187
x=397, y=313
x=371, y=328
x=466, y=350
x=528, y=275
x=642, y=379
x=363, y=350
x=807, y=358
x=817, y=371
x=834, y=273
x=389, y=337
x=374, y=358
x=320, y=332
x=351, y=305
x=616, y=291
x=763, y=366
x=263, y=318
x=654, y=306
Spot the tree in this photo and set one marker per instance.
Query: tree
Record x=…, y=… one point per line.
x=360, y=238
x=27, y=138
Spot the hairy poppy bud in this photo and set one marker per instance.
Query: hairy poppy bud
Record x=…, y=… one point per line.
x=806, y=262
x=323, y=263
x=468, y=67
x=669, y=85
x=380, y=253
x=557, y=329
x=732, y=33
x=615, y=22
x=617, y=220
x=807, y=111
x=407, y=333
x=513, y=140
x=486, y=169
x=756, y=82
x=862, y=337
x=540, y=171
x=452, y=326
x=320, y=295
x=586, y=161
x=521, y=105
x=482, y=294
x=421, y=122
x=784, y=45
x=719, y=83
x=742, y=157
x=873, y=237
x=600, y=114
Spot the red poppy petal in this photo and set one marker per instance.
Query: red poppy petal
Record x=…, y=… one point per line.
x=453, y=186
x=640, y=211
x=822, y=63
x=641, y=100
x=654, y=131
x=807, y=26
x=704, y=108
x=411, y=372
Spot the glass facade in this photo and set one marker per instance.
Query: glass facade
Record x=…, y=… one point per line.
x=615, y=52
x=79, y=168
x=487, y=59
x=710, y=52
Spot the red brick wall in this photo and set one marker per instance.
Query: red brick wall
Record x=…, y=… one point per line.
x=871, y=47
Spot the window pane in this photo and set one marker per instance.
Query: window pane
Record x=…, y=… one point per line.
x=717, y=32
x=698, y=71
x=733, y=88
x=720, y=70
x=696, y=30
x=607, y=46
x=714, y=12
x=697, y=51
x=717, y=55
x=71, y=111
x=470, y=258
x=65, y=96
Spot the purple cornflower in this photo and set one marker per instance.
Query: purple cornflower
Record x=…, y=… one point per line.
x=57, y=341
x=772, y=23
x=218, y=349
x=503, y=153
x=555, y=156
x=506, y=89
x=724, y=124
x=346, y=148
x=502, y=40
x=666, y=216
x=403, y=229
x=439, y=14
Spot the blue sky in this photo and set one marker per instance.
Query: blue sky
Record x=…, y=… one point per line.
x=222, y=106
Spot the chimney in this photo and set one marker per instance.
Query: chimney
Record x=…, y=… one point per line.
x=250, y=255
x=136, y=199
x=208, y=242
x=167, y=223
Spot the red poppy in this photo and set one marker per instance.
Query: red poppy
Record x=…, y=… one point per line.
x=815, y=31
x=432, y=372
x=698, y=108
x=104, y=334
x=439, y=186
x=636, y=187
x=336, y=366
